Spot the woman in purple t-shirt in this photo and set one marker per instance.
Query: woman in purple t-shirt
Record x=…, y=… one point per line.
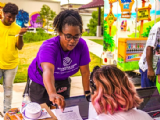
x=57, y=59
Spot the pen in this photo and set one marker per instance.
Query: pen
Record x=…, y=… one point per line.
x=156, y=114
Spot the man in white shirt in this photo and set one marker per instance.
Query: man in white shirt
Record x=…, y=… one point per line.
x=149, y=58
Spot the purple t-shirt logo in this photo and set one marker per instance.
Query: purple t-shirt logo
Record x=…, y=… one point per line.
x=67, y=61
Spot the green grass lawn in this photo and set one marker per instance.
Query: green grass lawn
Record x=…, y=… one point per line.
x=28, y=53
x=94, y=61
x=99, y=41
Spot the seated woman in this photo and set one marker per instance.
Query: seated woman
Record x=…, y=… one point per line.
x=114, y=96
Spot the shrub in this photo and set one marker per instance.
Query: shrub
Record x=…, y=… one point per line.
x=85, y=33
x=91, y=34
x=38, y=36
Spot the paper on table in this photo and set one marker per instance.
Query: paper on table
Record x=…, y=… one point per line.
x=69, y=113
x=92, y=112
x=158, y=118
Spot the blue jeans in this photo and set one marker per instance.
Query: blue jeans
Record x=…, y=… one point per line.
x=145, y=82
x=8, y=79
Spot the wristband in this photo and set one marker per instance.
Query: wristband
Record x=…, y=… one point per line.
x=18, y=35
x=88, y=95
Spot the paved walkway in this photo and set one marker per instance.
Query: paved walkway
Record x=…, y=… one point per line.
x=92, y=37
x=76, y=84
x=95, y=48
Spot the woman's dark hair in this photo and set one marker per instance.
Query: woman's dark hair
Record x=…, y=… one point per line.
x=94, y=69
x=11, y=8
x=69, y=17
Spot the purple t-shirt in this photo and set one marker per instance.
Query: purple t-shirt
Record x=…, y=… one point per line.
x=66, y=63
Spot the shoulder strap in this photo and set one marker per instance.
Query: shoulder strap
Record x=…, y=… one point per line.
x=39, y=70
x=26, y=90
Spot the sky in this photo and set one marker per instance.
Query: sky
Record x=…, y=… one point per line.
x=75, y=1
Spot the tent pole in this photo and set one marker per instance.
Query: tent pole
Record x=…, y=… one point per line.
x=99, y=23
x=99, y=16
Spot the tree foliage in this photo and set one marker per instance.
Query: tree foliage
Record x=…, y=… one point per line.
x=94, y=22
x=46, y=15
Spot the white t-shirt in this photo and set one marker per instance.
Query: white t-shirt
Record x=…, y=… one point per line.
x=153, y=41
x=133, y=114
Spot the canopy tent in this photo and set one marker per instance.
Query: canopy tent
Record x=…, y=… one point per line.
x=93, y=4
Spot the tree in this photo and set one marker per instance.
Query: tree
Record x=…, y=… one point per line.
x=46, y=15
x=22, y=18
x=94, y=22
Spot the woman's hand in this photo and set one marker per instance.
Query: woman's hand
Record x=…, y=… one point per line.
x=151, y=75
x=58, y=99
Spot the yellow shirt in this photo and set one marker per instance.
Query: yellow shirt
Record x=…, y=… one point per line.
x=8, y=49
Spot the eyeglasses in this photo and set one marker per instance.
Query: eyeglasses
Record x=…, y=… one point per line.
x=69, y=37
x=92, y=84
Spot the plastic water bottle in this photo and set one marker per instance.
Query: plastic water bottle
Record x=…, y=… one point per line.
x=26, y=100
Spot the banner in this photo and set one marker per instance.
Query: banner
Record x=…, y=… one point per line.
x=144, y=13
